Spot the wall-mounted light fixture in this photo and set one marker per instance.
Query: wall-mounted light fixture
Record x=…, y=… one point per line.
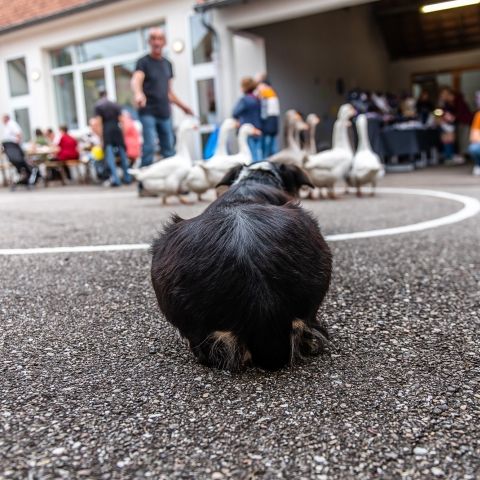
x=436, y=7
x=35, y=75
x=178, y=46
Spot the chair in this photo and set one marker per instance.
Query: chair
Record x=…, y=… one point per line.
x=5, y=168
x=28, y=173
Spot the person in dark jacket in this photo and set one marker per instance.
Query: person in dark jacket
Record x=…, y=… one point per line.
x=248, y=110
x=455, y=103
x=109, y=114
x=270, y=108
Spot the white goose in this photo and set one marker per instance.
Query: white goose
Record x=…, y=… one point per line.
x=367, y=167
x=166, y=176
x=312, y=121
x=216, y=168
x=292, y=154
x=327, y=167
x=228, y=125
x=196, y=180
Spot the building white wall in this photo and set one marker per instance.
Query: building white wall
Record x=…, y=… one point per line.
x=229, y=20
x=306, y=56
x=250, y=56
x=35, y=42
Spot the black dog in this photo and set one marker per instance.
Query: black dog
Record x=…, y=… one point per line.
x=243, y=281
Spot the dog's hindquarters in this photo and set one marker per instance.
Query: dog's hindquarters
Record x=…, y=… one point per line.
x=244, y=284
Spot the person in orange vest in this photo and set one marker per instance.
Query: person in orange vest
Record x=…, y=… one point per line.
x=270, y=112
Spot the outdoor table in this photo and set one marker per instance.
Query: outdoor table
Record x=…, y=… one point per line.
x=410, y=142
x=43, y=156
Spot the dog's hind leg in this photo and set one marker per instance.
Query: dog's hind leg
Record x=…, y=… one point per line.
x=308, y=338
x=223, y=350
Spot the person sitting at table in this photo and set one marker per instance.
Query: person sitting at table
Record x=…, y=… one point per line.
x=474, y=147
x=51, y=137
x=424, y=106
x=67, y=149
x=11, y=130
x=40, y=138
x=454, y=102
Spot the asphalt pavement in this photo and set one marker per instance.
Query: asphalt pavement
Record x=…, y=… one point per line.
x=95, y=384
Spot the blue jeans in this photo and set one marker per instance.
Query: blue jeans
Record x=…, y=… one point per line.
x=474, y=151
x=269, y=145
x=110, y=159
x=255, y=144
x=152, y=127
x=448, y=150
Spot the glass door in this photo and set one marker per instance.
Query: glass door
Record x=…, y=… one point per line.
x=93, y=81
x=123, y=93
x=64, y=90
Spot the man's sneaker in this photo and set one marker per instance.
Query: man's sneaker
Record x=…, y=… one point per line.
x=476, y=170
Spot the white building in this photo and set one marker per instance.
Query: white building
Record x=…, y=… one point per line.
x=53, y=61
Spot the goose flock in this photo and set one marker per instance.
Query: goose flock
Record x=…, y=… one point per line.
x=180, y=173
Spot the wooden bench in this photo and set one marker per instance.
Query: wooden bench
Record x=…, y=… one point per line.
x=59, y=166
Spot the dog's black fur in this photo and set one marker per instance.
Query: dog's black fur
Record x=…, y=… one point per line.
x=243, y=281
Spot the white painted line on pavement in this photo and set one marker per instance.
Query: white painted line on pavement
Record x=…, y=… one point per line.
x=471, y=207
x=80, y=249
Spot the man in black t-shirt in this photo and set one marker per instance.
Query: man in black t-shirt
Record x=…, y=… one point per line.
x=152, y=88
x=108, y=113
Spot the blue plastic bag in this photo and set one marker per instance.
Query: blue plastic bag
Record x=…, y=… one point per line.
x=211, y=144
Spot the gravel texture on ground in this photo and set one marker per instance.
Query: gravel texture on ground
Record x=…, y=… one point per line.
x=95, y=384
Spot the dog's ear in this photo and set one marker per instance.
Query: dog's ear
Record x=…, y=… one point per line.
x=230, y=176
x=294, y=178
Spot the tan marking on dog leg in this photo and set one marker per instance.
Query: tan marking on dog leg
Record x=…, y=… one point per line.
x=298, y=327
x=298, y=324
x=225, y=351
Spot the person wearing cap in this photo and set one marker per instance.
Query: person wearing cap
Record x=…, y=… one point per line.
x=108, y=113
x=152, y=88
x=248, y=110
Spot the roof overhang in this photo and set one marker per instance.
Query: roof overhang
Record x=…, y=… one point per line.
x=205, y=5
x=53, y=16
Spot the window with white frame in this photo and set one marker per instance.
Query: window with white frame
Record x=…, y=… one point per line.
x=17, y=77
x=80, y=70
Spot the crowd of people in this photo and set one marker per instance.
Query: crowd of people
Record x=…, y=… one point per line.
x=449, y=112
x=113, y=134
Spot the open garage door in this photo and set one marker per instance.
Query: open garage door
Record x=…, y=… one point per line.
x=314, y=58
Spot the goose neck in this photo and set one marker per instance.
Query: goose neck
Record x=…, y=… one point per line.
x=363, y=140
x=340, y=136
x=222, y=139
x=182, y=143
x=243, y=147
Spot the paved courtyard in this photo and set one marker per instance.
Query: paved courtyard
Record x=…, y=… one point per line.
x=95, y=384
